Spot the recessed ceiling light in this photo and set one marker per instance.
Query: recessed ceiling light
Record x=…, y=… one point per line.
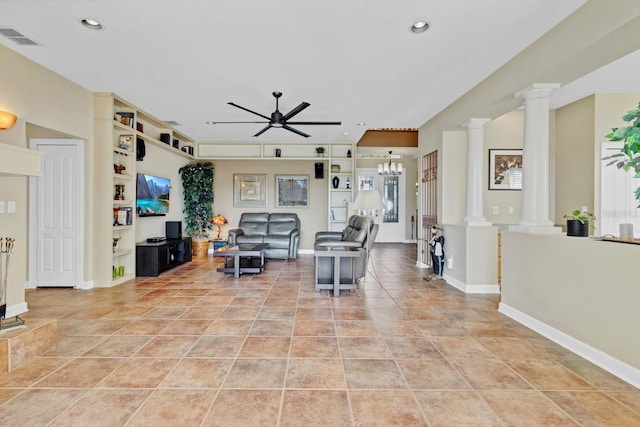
x=92, y=24
x=361, y=124
x=420, y=27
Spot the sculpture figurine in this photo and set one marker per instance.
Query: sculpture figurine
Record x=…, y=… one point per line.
x=436, y=247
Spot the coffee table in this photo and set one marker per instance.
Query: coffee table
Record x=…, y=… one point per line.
x=243, y=258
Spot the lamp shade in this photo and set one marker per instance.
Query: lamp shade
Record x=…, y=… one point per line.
x=368, y=200
x=219, y=220
x=7, y=120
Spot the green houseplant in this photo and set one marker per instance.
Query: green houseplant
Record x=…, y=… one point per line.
x=197, y=184
x=578, y=223
x=320, y=151
x=629, y=156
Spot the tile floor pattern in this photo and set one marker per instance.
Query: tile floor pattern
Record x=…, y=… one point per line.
x=197, y=348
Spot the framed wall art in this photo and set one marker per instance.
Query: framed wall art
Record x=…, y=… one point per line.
x=249, y=190
x=292, y=191
x=505, y=169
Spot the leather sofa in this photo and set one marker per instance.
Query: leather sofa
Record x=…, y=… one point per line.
x=281, y=231
x=355, y=236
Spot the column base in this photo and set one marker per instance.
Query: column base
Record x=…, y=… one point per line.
x=470, y=222
x=536, y=229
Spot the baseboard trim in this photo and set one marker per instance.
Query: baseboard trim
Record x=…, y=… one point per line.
x=305, y=251
x=610, y=364
x=87, y=284
x=471, y=289
x=16, y=309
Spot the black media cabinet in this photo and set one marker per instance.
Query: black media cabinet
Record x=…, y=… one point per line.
x=153, y=258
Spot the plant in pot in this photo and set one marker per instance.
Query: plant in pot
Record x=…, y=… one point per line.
x=629, y=156
x=578, y=223
x=320, y=151
x=197, y=184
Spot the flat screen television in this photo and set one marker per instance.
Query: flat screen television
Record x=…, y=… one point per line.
x=152, y=195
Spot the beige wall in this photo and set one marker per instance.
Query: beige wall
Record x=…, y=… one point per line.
x=574, y=156
x=312, y=218
x=598, y=306
x=45, y=99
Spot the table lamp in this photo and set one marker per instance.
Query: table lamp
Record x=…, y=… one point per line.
x=219, y=220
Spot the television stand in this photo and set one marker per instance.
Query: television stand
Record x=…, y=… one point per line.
x=153, y=258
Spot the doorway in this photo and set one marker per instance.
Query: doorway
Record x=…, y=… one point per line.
x=56, y=218
x=391, y=221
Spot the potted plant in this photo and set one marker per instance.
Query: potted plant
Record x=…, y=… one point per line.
x=197, y=184
x=629, y=156
x=320, y=151
x=578, y=223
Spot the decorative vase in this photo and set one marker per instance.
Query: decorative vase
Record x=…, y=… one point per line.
x=335, y=181
x=577, y=228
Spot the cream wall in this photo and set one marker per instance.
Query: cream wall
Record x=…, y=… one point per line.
x=312, y=218
x=43, y=98
x=597, y=306
x=575, y=157
x=164, y=163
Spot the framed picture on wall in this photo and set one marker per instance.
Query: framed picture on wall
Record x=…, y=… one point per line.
x=505, y=169
x=292, y=191
x=249, y=190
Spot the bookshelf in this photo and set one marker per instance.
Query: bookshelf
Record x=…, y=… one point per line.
x=118, y=128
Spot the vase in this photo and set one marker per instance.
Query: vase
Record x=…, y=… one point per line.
x=577, y=228
x=335, y=181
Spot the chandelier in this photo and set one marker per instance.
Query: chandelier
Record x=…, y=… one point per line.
x=391, y=168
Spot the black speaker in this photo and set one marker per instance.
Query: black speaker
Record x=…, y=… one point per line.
x=173, y=230
x=319, y=170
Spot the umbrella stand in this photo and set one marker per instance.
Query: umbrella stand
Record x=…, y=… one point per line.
x=6, y=250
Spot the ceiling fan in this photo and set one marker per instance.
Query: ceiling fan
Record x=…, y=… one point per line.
x=279, y=120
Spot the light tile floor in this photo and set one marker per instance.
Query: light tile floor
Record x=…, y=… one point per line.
x=194, y=347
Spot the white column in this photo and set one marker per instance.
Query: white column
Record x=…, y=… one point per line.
x=535, y=160
x=474, y=215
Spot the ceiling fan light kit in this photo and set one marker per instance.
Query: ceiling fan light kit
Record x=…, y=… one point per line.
x=279, y=120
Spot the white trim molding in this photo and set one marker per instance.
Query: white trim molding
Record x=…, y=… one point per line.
x=472, y=289
x=610, y=364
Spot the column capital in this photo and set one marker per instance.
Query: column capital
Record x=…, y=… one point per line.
x=537, y=89
x=475, y=122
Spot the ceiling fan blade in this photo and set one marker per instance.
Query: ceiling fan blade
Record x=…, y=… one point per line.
x=217, y=123
x=264, y=129
x=314, y=123
x=250, y=111
x=295, y=111
x=289, y=128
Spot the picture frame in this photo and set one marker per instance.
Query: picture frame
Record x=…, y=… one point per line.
x=505, y=169
x=292, y=191
x=126, y=142
x=249, y=190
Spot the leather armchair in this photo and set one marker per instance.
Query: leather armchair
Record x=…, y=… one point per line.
x=354, y=235
x=281, y=231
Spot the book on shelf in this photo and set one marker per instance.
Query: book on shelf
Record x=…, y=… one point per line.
x=333, y=215
x=125, y=117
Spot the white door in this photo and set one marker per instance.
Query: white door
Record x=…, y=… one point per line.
x=392, y=190
x=56, y=220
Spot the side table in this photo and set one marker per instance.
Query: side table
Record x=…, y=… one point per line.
x=335, y=280
x=217, y=244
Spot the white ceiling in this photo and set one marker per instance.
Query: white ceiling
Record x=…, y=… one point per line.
x=353, y=61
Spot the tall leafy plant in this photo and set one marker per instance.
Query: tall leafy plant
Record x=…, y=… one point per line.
x=629, y=156
x=197, y=183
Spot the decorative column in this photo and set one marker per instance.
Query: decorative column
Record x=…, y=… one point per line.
x=535, y=160
x=475, y=144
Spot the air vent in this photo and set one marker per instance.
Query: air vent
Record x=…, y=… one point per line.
x=172, y=123
x=17, y=37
